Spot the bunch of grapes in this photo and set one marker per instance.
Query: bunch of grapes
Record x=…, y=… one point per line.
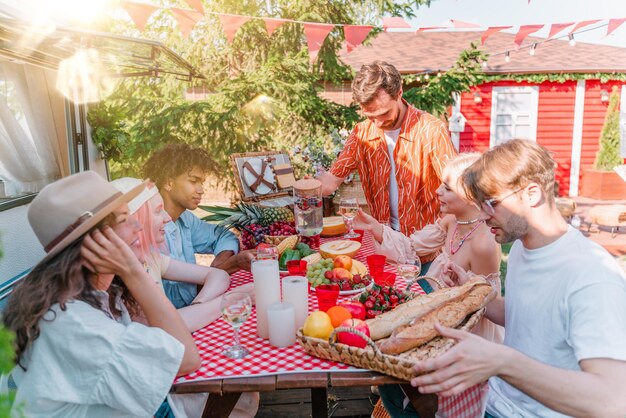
x=282, y=228
x=315, y=272
x=253, y=235
x=312, y=241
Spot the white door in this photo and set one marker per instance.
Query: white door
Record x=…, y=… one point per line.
x=513, y=114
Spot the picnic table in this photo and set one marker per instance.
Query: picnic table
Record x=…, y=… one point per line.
x=268, y=368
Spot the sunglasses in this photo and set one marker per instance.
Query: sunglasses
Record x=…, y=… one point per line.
x=488, y=206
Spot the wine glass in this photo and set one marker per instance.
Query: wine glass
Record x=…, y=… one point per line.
x=348, y=207
x=407, y=269
x=416, y=259
x=236, y=308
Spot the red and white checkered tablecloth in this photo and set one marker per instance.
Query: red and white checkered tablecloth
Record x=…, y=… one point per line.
x=263, y=359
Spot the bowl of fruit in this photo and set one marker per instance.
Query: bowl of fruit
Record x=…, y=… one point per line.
x=379, y=299
x=349, y=274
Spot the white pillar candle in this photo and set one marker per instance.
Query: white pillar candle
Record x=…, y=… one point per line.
x=266, y=291
x=296, y=292
x=281, y=322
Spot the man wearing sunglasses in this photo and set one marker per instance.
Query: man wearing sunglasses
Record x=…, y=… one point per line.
x=564, y=352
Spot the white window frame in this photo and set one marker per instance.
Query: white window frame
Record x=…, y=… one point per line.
x=534, y=94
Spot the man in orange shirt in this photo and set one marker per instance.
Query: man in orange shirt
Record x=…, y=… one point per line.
x=400, y=190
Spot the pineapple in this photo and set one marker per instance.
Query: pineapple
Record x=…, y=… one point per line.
x=245, y=214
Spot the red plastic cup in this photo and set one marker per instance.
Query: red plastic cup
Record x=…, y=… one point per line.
x=376, y=264
x=360, y=237
x=385, y=278
x=296, y=267
x=327, y=295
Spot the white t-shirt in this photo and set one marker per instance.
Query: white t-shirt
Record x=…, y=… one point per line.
x=565, y=302
x=87, y=365
x=391, y=137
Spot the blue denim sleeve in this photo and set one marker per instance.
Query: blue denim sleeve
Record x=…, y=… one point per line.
x=209, y=238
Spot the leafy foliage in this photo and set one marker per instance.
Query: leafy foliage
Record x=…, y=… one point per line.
x=436, y=93
x=608, y=155
x=7, y=356
x=263, y=91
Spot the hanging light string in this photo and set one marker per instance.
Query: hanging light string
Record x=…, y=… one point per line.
x=532, y=47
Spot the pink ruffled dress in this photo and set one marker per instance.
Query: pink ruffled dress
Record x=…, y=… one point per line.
x=471, y=402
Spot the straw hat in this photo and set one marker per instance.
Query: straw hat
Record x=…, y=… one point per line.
x=126, y=184
x=65, y=210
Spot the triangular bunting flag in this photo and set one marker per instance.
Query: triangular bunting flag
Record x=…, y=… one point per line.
x=583, y=24
x=196, y=5
x=394, y=22
x=558, y=27
x=140, y=13
x=231, y=24
x=355, y=35
x=614, y=24
x=315, y=34
x=490, y=31
x=186, y=19
x=463, y=25
x=430, y=28
x=524, y=31
x=271, y=24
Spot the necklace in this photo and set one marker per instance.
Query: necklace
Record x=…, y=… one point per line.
x=463, y=238
x=468, y=222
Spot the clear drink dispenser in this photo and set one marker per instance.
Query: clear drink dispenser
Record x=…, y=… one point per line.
x=308, y=210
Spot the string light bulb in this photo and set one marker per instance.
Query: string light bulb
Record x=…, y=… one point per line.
x=507, y=57
x=572, y=41
x=426, y=76
x=484, y=64
x=438, y=73
x=533, y=49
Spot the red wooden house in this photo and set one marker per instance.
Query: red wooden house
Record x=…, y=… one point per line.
x=566, y=117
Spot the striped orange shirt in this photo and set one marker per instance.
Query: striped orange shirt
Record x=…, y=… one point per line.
x=422, y=150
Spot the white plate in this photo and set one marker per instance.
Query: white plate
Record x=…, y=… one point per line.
x=356, y=291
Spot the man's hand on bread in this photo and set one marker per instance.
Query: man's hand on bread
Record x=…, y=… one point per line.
x=471, y=361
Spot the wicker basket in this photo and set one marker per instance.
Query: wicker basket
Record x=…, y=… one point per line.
x=370, y=357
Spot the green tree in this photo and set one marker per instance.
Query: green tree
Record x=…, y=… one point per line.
x=264, y=90
x=7, y=357
x=608, y=155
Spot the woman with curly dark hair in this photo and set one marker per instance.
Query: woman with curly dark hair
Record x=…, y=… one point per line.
x=78, y=353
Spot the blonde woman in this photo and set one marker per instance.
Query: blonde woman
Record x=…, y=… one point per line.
x=462, y=241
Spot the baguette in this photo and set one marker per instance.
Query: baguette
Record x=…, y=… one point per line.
x=383, y=325
x=449, y=314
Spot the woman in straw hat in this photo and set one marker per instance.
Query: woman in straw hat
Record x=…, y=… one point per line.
x=148, y=210
x=78, y=353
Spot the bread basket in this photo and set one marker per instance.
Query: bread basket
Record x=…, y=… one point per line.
x=370, y=357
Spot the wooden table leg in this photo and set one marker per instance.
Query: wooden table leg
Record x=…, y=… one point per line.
x=425, y=405
x=220, y=406
x=319, y=403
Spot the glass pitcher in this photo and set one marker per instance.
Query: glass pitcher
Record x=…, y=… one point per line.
x=307, y=195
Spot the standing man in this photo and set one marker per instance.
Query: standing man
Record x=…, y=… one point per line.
x=564, y=351
x=399, y=151
x=179, y=171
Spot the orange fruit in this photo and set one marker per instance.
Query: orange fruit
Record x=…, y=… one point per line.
x=338, y=314
x=317, y=325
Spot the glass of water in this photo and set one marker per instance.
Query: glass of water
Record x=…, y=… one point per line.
x=236, y=308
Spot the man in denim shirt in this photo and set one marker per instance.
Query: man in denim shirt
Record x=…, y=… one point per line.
x=179, y=172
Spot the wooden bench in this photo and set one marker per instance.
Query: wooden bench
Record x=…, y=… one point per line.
x=612, y=216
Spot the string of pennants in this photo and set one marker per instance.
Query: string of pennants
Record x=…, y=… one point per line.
x=316, y=33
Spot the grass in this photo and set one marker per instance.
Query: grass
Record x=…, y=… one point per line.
x=503, y=262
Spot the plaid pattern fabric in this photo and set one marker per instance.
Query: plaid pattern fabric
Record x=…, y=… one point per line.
x=468, y=404
x=422, y=150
